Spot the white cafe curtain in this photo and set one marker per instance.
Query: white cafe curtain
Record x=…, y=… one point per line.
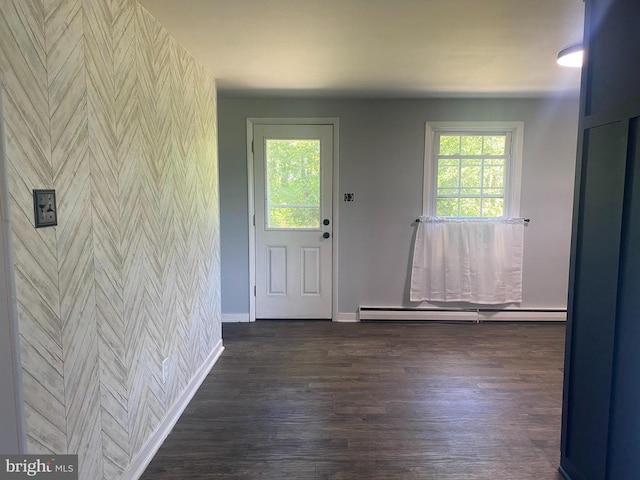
x=468, y=260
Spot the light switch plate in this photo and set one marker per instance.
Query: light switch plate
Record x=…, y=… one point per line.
x=44, y=208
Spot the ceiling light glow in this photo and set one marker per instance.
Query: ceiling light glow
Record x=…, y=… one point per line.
x=571, y=56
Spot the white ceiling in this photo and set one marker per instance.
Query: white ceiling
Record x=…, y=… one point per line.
x=379, y=48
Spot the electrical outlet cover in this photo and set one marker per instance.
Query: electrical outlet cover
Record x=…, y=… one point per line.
x=44, y=207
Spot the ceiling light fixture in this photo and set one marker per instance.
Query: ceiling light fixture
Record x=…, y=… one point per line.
x=571, y=56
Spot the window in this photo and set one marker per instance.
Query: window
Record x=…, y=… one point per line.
x=473, y=169
x=293, y=184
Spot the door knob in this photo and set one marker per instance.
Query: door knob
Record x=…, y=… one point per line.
x=326, y=235
x=326, y=221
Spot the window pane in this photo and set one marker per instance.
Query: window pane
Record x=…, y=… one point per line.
x=470, y=192
x=471, y=145
x=494, y=144
x=447, y=207
x=449, y=144
x=448, y=176
x=493, y=176
x=470, y=207
x=493, y=192
x=472, y=162
x=448, y=192
x=449, y=162
x=293, y=217
x=293, y=183
x=494, y=162
x=492, y=207
x=470, y=174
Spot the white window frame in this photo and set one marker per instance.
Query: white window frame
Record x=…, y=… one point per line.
x=513, y=171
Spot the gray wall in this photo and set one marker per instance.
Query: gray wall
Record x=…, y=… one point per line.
x=381, y=161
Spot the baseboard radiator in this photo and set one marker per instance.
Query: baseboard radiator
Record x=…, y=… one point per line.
x=477, y=315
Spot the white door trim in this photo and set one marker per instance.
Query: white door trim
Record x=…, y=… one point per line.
x=251, y=122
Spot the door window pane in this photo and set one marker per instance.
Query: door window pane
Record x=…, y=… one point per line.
x=293, y=184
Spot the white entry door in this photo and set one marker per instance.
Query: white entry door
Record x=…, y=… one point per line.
x=293, y=205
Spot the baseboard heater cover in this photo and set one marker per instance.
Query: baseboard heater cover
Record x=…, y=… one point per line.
x=462, y=315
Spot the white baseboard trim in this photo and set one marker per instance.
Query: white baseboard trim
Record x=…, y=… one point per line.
x=432, y=315
x=347, y=318
x=506, y=315
x=522, y=316
x=235, y=317
x=140, y=462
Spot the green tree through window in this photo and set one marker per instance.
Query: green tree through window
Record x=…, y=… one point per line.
x=471, y=174
x=293, y=183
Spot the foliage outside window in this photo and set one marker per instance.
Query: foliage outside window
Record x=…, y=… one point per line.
x=293, y=184
x=471, y=170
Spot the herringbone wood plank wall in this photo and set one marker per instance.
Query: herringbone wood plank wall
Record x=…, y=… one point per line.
x=104, y=106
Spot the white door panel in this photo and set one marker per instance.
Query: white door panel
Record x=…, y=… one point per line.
x=310, y=271
x=277, y=270
x=293, y=206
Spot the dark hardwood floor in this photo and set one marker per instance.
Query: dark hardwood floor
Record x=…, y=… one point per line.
x=322, y=400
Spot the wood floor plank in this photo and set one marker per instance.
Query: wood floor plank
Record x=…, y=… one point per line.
x=321, y=400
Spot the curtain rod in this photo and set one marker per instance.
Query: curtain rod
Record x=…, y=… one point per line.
x=525, y=220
